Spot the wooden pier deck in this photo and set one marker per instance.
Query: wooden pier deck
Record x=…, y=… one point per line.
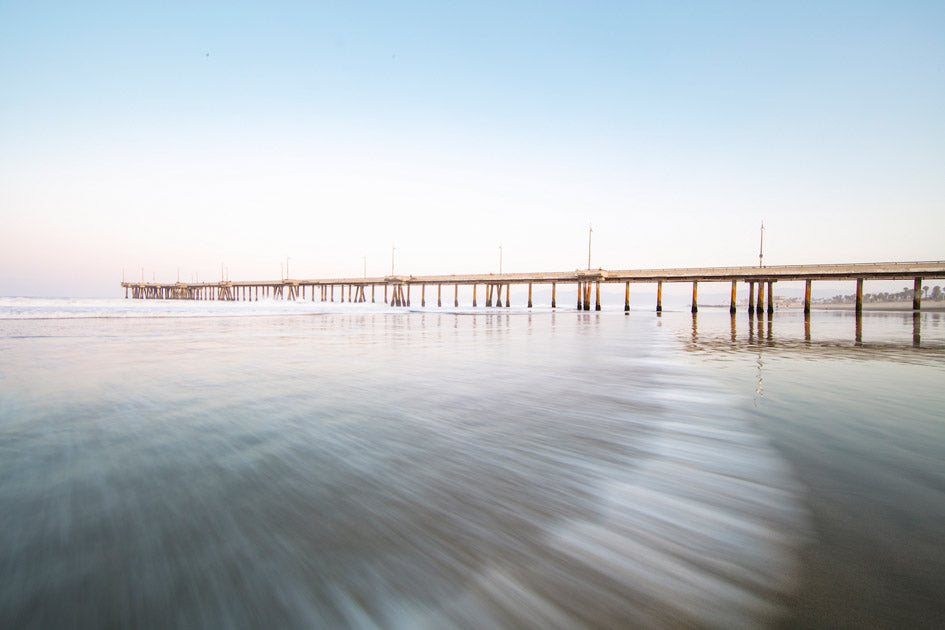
x=397, y=289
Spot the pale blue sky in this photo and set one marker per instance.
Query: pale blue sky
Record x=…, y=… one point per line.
x=329, y=131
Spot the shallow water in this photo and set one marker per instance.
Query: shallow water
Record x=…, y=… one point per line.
x=359, y=467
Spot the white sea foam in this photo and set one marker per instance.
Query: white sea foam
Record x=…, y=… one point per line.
x=77, y=308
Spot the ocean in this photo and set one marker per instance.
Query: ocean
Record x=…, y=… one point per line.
x=299, y=465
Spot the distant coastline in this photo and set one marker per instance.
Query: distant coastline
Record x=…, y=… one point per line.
x=900, y=307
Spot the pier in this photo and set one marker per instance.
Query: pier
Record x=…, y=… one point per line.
x=396, y=290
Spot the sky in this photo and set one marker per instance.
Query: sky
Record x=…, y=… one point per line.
x=174, y=139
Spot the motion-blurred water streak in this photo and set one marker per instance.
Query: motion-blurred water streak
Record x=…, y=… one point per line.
x=361, y=467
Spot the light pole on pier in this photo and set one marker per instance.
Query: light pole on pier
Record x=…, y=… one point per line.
x=590, y=230
x=761, y=247
x=392, y=250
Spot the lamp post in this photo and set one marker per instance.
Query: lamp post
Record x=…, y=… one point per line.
x=500, y=259
x=761, y=247
x=392, y=250
x=590, y=230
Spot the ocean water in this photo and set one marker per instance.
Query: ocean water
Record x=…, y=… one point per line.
x=180, y=464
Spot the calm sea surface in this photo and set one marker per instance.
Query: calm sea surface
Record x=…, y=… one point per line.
x=303, y=465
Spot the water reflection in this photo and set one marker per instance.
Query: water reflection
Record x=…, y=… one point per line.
x=855, y=404
x=895, y=336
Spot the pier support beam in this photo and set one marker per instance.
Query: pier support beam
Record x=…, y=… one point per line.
x=917, y=294
x=508, y=290
x=580, y=303
x=423, y=295
x=695, y=296
x=455, y=296
x=807, y=293
x=439, y=295
x=731, y=306
x=474, y=296
x=529, y=295
x=751, y=297
x=597, y=297
x=554, y=288
x=659, y=296
x=760, y=307
x=770, y=297
x=859, y=295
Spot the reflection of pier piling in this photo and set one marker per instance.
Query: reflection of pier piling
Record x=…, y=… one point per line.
x=397, y=288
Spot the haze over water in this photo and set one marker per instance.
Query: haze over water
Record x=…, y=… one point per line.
x=351, y=466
